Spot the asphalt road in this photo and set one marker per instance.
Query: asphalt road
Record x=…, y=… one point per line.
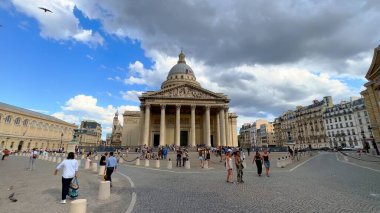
x=325, y=183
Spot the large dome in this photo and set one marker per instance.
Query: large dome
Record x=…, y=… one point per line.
x=180, y=73
x=181, y=68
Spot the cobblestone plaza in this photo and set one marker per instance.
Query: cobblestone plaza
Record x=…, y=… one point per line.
x=324, y=182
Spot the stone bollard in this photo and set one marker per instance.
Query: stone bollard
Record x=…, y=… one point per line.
x=146, y=163
x=49, y=159
x=87, y=164
x=45, y=157
x=59, y=160
x=205, y=164
x=121, y=160
x=16, y=154
x=187, y=164
x=157, y=163
x=82, y=156
x=96, y=157
x=138, y=162
x=170, y=164
x=104, y=190
x=78, y=206
x=79, y=161
x=101, y=170
x=94, y=167
x=54, y=159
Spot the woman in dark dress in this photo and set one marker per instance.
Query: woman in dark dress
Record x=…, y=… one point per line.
x=259, y=162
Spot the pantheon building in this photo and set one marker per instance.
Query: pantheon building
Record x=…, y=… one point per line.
x=181, y=113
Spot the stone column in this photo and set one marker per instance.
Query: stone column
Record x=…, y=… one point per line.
x=193, y=125
x=217, y=129
x=142, y=131
x=146, y=124
x=228, y=129
x=222, y=128
x=208, y=131
x=178, y=125
x=162, y=126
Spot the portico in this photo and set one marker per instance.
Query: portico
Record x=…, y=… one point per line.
x=182, y=113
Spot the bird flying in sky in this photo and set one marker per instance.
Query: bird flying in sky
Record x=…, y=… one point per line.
x=45, y=9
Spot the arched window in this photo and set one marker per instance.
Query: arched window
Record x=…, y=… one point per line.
x=8, y=119
x=25, y=123
x=181, y=76
x=18, y=121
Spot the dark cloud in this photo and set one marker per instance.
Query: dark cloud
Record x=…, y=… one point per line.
x=246, y=32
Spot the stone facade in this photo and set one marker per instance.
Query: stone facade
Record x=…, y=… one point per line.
x=303, y=127
x=347, y=124
x=22, y=129
x=89, y=134
x=181, y=113
x=257, y=134
x=372, y=96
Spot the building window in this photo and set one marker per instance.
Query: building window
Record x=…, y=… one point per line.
x=8, y=119
x=330, y=120
x=358, y=114
x=25, y=123
x=18, y=121
x=340, y=119
x=352, y=124
x=367, y=120
x=336, y=125
x=346, y=124
x=331, y=127
x=348, y=132
x=353, y=132
x=345, y=118
x=365, y=113
x=349, y=117
x=335, y=120
x=360, y=121
x=12, y=145
x=341, y=125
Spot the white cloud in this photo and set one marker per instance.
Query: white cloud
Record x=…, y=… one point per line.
x=84, y=107
x=59, y=25
x=89, y=57
x=131, y=95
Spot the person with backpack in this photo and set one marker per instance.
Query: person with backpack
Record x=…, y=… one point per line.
x=70, y=170
x=33, y=156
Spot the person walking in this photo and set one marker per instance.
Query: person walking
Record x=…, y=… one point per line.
x=179, y=157
x=229, y=167
x=185, y=156
x=239, y=167
x=70, y=170
x=208, y=156
x=200, y=156
x=33, y=156
x=259, y=163
x=111, y=165
x=103, y=159
x=6, y=153
x=266, y=162
x=164, y=152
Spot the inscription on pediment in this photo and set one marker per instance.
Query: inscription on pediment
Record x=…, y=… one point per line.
x=185, y=92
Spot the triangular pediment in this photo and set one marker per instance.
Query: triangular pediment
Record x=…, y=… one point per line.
x=185, y=91
x=375, y=65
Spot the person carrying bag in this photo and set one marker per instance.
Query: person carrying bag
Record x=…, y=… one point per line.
x=70, y=171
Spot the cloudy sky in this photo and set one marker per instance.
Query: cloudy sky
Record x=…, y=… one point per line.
x=88, y=59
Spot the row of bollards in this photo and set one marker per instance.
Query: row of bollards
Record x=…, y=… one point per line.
x=282, y=162
x=169, y=164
